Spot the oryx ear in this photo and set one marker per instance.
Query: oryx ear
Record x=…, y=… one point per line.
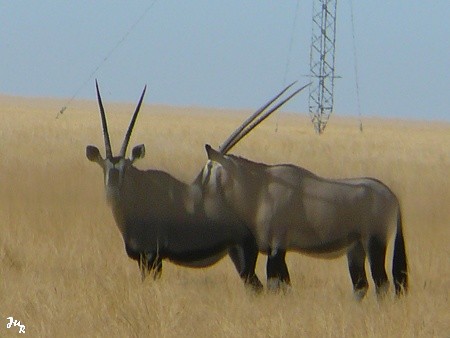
x=213, y=155
x=93, y=154
x=138, y=152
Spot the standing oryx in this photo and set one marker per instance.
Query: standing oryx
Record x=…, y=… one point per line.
x=162, y=218
x=290, y=208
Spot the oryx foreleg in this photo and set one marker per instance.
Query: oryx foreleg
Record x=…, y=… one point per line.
x=277, y=271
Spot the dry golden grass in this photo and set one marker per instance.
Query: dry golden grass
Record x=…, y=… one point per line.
x=64, y=272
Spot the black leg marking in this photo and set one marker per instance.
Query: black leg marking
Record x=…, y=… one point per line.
x=245, y=262
x=377, y=255
x=236, y=254
x=399, y=263
x=356, y=258
x=277, y=271
x=283, y=270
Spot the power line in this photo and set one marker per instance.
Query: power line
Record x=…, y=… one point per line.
x=289, y=55
x=356, y=67
x=291, y=43
x=108, y=55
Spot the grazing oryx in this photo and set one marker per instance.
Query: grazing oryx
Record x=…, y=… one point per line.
x=162, y=218
x=290, y=208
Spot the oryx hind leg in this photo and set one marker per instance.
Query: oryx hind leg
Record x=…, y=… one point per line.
x=277, y=271
x=356, y=258
x=377, y=256
x=244, y=259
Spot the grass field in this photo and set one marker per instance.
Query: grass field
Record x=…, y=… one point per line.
x=64, y=271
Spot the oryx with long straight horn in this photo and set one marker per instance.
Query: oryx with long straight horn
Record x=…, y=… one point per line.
x=290, y=208
x=160, y=217
x=215, y=207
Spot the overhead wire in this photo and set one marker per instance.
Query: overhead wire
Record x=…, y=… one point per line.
x=358, y=100
x=105, y=59
x=289, y=54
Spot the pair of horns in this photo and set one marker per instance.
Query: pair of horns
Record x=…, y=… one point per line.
x=108, y=148
x=248, y=125
x=256, y=118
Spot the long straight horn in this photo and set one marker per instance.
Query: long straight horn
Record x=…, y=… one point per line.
x=230, y=138
x=104, y=124
x=261, y=118
x=123, y=150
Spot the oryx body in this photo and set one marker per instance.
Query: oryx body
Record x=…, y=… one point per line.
x=290, y=208
x=160, y=217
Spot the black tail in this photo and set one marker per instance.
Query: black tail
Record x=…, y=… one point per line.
x=400, y=264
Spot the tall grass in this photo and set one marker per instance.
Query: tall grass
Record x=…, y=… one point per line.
x=64, y=271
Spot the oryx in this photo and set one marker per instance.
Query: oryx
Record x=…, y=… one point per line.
x=290, y=208
x=160, y=217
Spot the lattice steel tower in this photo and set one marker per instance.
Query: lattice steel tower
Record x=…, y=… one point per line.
x=321, y=62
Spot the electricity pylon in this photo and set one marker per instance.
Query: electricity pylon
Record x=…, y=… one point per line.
x=321, y=62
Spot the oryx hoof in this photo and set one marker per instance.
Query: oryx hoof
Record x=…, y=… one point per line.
x=276, y=285
x=382, y=291
x=254, y=285
x=359, y=294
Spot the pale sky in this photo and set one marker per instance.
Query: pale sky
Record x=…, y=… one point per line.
x=227, y=54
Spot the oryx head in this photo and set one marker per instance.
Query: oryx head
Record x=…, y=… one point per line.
x=219, y=174
x=225, y=181
x=115, y=167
